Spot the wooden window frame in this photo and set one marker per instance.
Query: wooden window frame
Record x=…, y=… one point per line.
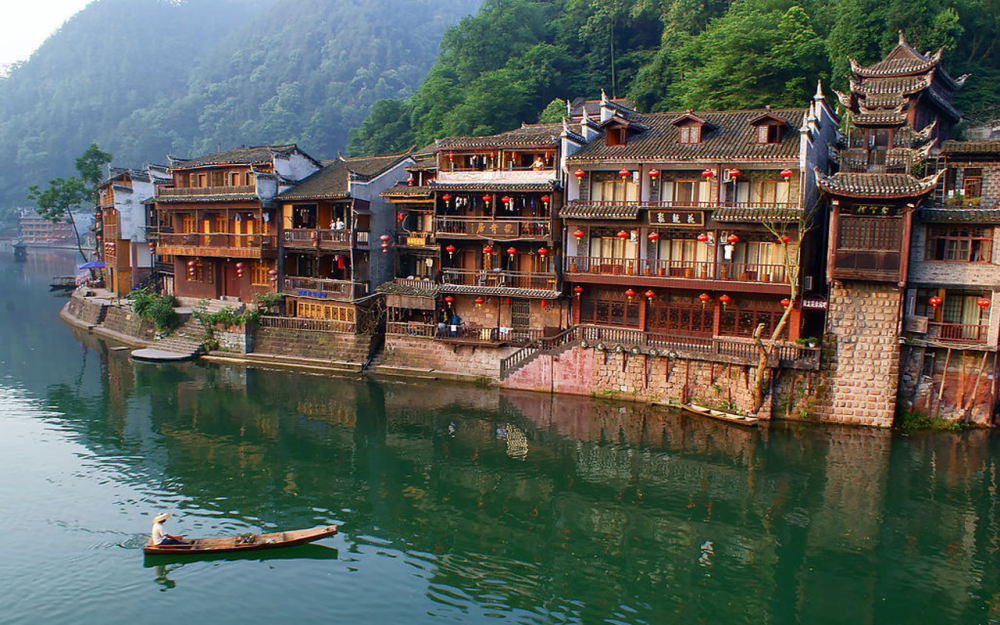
x=963, y=244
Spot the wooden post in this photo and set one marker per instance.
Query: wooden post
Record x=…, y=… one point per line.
x=975, y=387
x=947, y=360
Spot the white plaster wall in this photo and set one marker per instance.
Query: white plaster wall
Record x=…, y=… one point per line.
x=295, y=167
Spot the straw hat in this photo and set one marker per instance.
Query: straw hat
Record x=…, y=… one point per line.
x=160, y=518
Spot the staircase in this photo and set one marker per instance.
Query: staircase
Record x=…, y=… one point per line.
x=548, y=345
x=188, y=339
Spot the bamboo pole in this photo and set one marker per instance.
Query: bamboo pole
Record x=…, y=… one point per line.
x=944, y=373
x=975, y=387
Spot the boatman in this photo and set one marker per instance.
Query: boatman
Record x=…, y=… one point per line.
x=158, y=537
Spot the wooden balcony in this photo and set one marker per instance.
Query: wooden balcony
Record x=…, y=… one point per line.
x=497, y=282
x=463, y=333
x=689, y=204
x=315, y=239
x=877, y=265
x=309, y=325
x=417, y=239
x=201, y=191
x=957, y=333
x=490, y=228
x=111, y=232
x=217, y=245
x=319, y=288
x=758, y=277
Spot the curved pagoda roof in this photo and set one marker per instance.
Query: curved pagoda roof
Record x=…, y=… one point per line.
x=869, y=186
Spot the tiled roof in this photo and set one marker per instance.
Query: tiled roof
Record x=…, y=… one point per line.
x=428, y=288
x=729, y=214
x=580, y=209
x=902, y=60
x=528, y=135
x=727, y=136
x=425, y=164
x=493, y=187
x=894, y=84
x=333, y=181
x=499, y=290
x=405, y=191
x=961, y=215
x=593, y=107
x=864, y=185
x=894, y=118
x=241, y=156
x=971, y=147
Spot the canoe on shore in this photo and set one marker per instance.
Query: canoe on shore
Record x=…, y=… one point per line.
x=722, y=415
x=244, y=542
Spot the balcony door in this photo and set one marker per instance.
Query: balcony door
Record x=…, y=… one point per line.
x=680, y=315
x=607, y=186
x=231, y=281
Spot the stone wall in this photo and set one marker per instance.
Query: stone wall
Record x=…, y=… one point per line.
x=477, y=361
x=932, y=383
x=123, y=321
x=87, y=311
x=235, y=340
x=333, y=346
x=580, y=371
x=861, y=359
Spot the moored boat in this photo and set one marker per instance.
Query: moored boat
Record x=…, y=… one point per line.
x=721, y=415
x=244, y=542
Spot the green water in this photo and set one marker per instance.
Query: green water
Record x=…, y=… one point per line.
x=457, y=504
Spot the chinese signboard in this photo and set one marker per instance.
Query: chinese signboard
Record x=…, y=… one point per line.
x=677, y=218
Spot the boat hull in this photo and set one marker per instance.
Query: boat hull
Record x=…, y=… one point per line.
x=233, y=544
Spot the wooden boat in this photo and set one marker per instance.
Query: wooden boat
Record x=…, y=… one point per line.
x=244, y=542
x=63, y=283
x=730, y=417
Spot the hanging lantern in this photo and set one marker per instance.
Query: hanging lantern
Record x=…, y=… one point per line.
x=385, y=238
x=274, y=275
x=732, y=239
x=725, y=299
x=734, y=173
x=446, y=197
x=653, y=236
x=983, y=303
x=545, y=200
x=708, y=173
x=448, y=299
x=703, y=237
x=785, y=238
x=579, y=234
x=451, y=249
x=624, y=173
x=785, y=303
x=622, y=234
x=506, y=300
x=410, y=181
x=935, y=301
x=630, y=294
x=786, y=173
x=239, y=269
x=385, y=248
x=704, y=298
x=479, y=301
x=578, y=290
x=488, y=249
x=579, y=174
x=544, y=304
x=487, y=198
x=543, y=252
x=506, y=199
x=512, y=250
x=654, y=174
x=152, y=247
x=649, y=295
x=191, y=263
x=98, y=237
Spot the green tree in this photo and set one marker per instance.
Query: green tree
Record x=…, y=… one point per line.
x=554, y=112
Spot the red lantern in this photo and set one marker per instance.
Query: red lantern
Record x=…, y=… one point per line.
x=579, y=234
x=448, y=299
x=479, y=301
x=446, y=197
x=578, y=290
x=732, y=239
x=488, y=249
x=786, y=173
x=506, y=300
x=410, y=181
x=545, y=199
x=654, y=173
x=385, y=238
x=708, y=173
x=512, y=250
x=487, y=198
x=624, y=173
x=451, y=249
x=983, y=303
x=191, y=263
x=785, y=303
x=649, y=295
x=274, y=275
x=98, y=237
x=785, y=238
x=703, y=238
x=630, y=294
x=725, y=299
x=543, y=252
x=935, y=301
x=653, y=236
x=734, y=173
x=704, y=298
x=622, y=234
x=579, y=174
x=544, y=304
x=505, y=199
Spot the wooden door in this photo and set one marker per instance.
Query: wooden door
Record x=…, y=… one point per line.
x=231, y=282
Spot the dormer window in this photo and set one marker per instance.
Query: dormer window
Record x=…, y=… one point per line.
x=617, y=130
x=690, y=128
x=691, y=134
x=769, y=133
x=768, y=128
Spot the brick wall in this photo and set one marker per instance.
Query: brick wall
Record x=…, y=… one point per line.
x=861, y=363
x=481, y=361
x=353, y=348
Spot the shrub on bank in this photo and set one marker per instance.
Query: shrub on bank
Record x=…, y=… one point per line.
x=158, y=309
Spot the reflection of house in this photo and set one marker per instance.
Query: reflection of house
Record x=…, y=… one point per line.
x=678, y=223
x=332, y=250
x=123, y=240
x=218, y=221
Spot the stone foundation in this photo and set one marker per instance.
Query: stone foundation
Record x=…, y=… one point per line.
x=964, y=391
x=474, y=361
x=352, y=348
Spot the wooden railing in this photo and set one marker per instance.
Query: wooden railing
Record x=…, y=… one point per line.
x=690, y=204
x=499, y=279
x=512, y=336
x=185, y=191
x=320, y=288
x=317, y=238
x=686, y=269
x=411, y=328
x=303, y=323
x=417, y=239
x=416, y=283
x=957, y=332
x=500, y=227
x=216, y=240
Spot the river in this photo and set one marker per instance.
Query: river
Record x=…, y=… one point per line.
x=456, y=503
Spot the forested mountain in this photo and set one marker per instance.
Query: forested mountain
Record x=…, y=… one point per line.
x=515, y=57
x=144, y=78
